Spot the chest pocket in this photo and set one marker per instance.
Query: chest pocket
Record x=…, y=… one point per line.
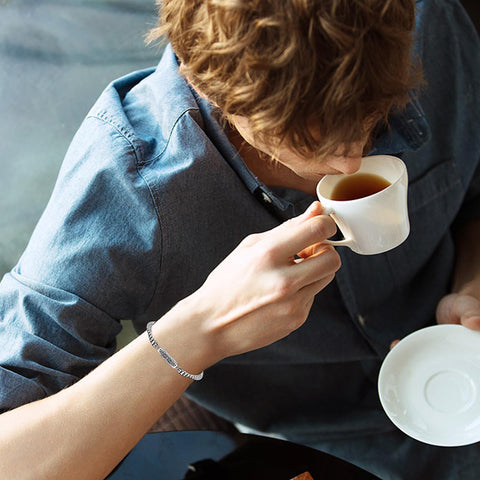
x=435, y=196
x=434, y=199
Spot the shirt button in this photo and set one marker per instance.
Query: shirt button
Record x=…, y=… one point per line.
x=361, y=320
x=266, y=198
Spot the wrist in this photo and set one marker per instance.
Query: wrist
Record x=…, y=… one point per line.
x=168, y=358
x=182, y=333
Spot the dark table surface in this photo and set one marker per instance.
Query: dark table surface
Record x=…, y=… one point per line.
x=194, y=455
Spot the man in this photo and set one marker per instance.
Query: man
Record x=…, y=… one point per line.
x=176, y=167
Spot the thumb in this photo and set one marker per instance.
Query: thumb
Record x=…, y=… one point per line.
x=460, y=309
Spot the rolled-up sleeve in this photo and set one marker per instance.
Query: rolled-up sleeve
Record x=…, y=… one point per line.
x=49, y=338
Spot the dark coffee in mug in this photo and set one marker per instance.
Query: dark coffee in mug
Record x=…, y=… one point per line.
x=358, y=185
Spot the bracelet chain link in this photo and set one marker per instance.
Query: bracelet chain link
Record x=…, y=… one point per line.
x=168, y=358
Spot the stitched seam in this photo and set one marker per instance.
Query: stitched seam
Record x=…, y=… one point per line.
x=153, y=193
x=127, y=135
x=121, y=129
x=156, y=157
x=156, y=290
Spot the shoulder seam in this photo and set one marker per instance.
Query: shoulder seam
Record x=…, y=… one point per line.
x=104, y=117
x=167, y=142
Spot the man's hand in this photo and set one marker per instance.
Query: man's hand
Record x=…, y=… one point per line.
x=461, y=309
x=462, y=306
x=265, y=288
x=457, y=308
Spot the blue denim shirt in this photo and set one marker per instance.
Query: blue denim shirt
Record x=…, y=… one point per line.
x=152, y=196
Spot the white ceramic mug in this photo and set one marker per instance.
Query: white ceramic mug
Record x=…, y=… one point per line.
x=375, y=223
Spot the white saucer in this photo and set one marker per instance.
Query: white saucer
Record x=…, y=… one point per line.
x=429, y=385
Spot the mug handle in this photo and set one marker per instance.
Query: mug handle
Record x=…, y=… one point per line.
x=338, y=243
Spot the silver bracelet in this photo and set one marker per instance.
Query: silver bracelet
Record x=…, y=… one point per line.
x=168, y=358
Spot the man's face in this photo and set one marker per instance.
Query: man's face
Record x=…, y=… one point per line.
x=308, y=169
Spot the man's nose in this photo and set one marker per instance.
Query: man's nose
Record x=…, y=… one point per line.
x=347, y=165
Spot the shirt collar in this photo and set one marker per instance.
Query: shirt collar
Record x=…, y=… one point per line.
x=282, y=202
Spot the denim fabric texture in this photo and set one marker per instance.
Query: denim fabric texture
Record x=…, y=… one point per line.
x=152, y=196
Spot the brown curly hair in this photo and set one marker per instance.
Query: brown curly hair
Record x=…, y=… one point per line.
x=288, y=65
